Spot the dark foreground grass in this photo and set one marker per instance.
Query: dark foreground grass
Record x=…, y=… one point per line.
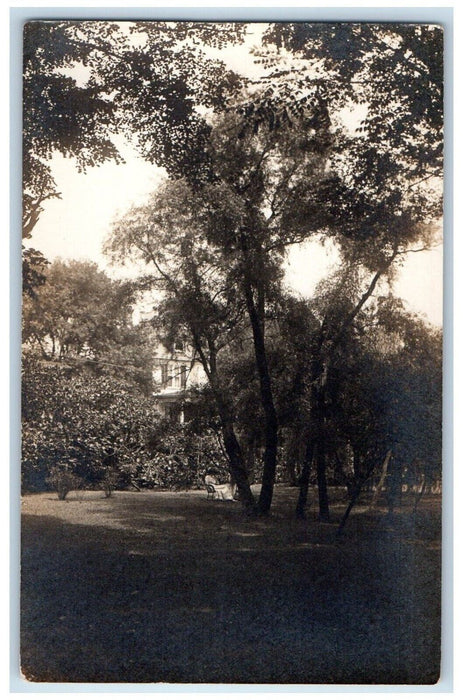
x=150, y=587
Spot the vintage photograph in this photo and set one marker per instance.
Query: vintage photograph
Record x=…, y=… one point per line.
x=231, y=352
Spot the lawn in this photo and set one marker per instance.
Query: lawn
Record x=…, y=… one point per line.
x=152, y=586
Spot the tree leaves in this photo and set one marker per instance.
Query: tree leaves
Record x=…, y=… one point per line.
x=78, y=314
x=394, y=69
x=72, y=421
x=84, y=82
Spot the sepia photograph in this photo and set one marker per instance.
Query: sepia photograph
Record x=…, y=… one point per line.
x=231, y=374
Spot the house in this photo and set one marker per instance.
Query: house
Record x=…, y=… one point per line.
x=176, y=372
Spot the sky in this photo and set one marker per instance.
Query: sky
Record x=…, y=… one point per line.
x=75, y=226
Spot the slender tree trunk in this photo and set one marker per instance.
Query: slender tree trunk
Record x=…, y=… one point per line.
x=356, y=464
x=359, y=483
x=250, y=455
x=353, y=500
x=290, y=466
x=381, y=481
x=271, y=422
x=232, y=447
x=323, y=499
x=270, y=461
x=237, y=466
x=420, y=493
x=394, y=485
x=293, y=454
x=237, y=463
x=304, y=479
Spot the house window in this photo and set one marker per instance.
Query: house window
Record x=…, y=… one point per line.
x=183, y=376
x=178, y=345
x=166, y=377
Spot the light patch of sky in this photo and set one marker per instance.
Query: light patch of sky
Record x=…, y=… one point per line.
x=418, y=281
x=420, y=284
x=238, y=58
x=75, y=226
x=307, y=264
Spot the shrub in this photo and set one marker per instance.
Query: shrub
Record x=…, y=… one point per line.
x=63, y=480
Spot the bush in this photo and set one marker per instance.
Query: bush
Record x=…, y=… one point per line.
x=180, y=458
x=108, y=435
x=109, y=481
x=83, y=421
x=63, y=480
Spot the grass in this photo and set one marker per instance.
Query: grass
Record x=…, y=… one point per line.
x=151, y=587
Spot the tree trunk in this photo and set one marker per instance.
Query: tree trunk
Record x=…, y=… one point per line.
x=394, y=485
x=356, y=463
x=250, y=455
x=355, y=494
x=271, y=422
x=237, y=466
x=323, y=500
x=381, y=481
x=269, y=469
x=290, y=468
x=304, y=479
x=420, y=493
x=293, y=454
x=359, y=482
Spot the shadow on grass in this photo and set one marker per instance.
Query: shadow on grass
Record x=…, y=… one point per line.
x=176, y=589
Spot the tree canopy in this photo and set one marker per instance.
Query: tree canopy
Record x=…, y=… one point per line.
x=86, y=81
x=395, y=71
x=82, y=317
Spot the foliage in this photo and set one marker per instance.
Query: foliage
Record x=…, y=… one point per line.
x=273, y=183
x=383, y=391
x=101, y=432
x=85, y=425
x=167, y=85
x=80, y=315
x=379, y=88
x=201, y=300
x=63, y=480
x=34, y=269
x=59, y=113
x=256, y=170
x=86, y=81
x=394, y=71
x=215, y=253
x=181, y=457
